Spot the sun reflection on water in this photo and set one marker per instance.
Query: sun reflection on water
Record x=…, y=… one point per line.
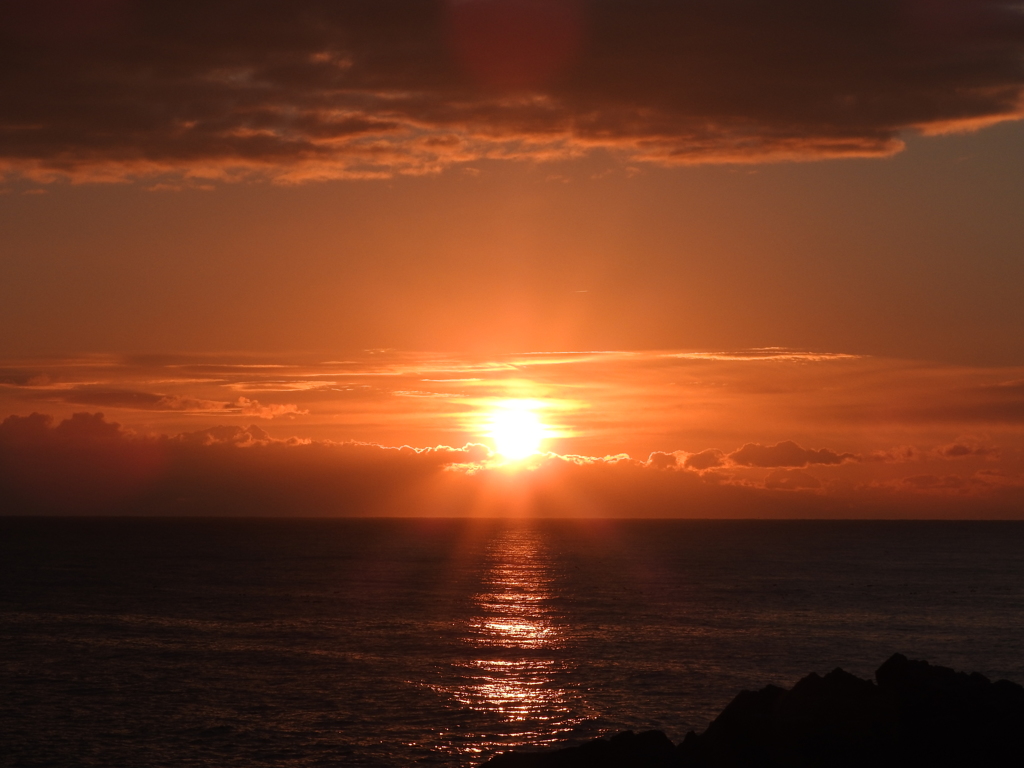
x=513, y=677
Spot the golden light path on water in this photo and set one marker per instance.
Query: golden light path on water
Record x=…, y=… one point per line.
x=514, y=668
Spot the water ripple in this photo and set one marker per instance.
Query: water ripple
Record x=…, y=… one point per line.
x=515, y=666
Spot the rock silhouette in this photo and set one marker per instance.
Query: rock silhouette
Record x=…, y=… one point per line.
x=914, y=715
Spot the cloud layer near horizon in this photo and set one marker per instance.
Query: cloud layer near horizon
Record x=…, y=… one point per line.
x=762, y=405
x=115, y=89
x=88, y=465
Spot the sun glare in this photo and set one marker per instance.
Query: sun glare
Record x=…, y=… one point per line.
x=516, y=429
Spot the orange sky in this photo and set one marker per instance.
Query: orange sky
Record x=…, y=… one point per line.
x=771, y=253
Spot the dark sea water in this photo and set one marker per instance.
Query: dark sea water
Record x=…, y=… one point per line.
x=133, y=642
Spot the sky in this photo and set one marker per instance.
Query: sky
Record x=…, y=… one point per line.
x=712, y=259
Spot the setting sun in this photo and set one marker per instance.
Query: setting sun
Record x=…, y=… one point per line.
x=516, y=429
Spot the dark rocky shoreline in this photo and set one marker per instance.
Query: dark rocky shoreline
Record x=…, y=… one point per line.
x=914, y=715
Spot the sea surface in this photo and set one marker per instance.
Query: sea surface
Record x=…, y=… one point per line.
x=142, y=642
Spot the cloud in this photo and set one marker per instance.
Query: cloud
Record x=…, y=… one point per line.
x=84, y=463
x=704, y=460
x=785, y=454
x=957, y=450
x=227, y=435
x=769, y=354
x=88, y=465
x=790, y=480
x=639, y=400
x=899, y=454
x=249, y=407
x=149, y=401
x=662, y=460
x=318, y=89
x=960, y=451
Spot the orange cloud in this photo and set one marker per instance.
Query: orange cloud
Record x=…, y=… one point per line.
x=785, y=454
x=249, y=407
x=662, y=460
x=959, y=451
x=99, y=395
x=704, y=460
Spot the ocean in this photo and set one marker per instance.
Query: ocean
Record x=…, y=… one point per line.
x=399, y=642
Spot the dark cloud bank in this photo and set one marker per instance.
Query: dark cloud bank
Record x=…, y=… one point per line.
x=87, y=465
x=114, y=89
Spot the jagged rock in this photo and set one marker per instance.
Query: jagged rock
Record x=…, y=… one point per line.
x=837, y=720
x=953, y=718
x=916, y=715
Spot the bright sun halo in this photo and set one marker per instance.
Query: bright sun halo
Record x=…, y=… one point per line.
x=516, y=430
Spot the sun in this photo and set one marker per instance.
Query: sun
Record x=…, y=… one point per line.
x=516, y=429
